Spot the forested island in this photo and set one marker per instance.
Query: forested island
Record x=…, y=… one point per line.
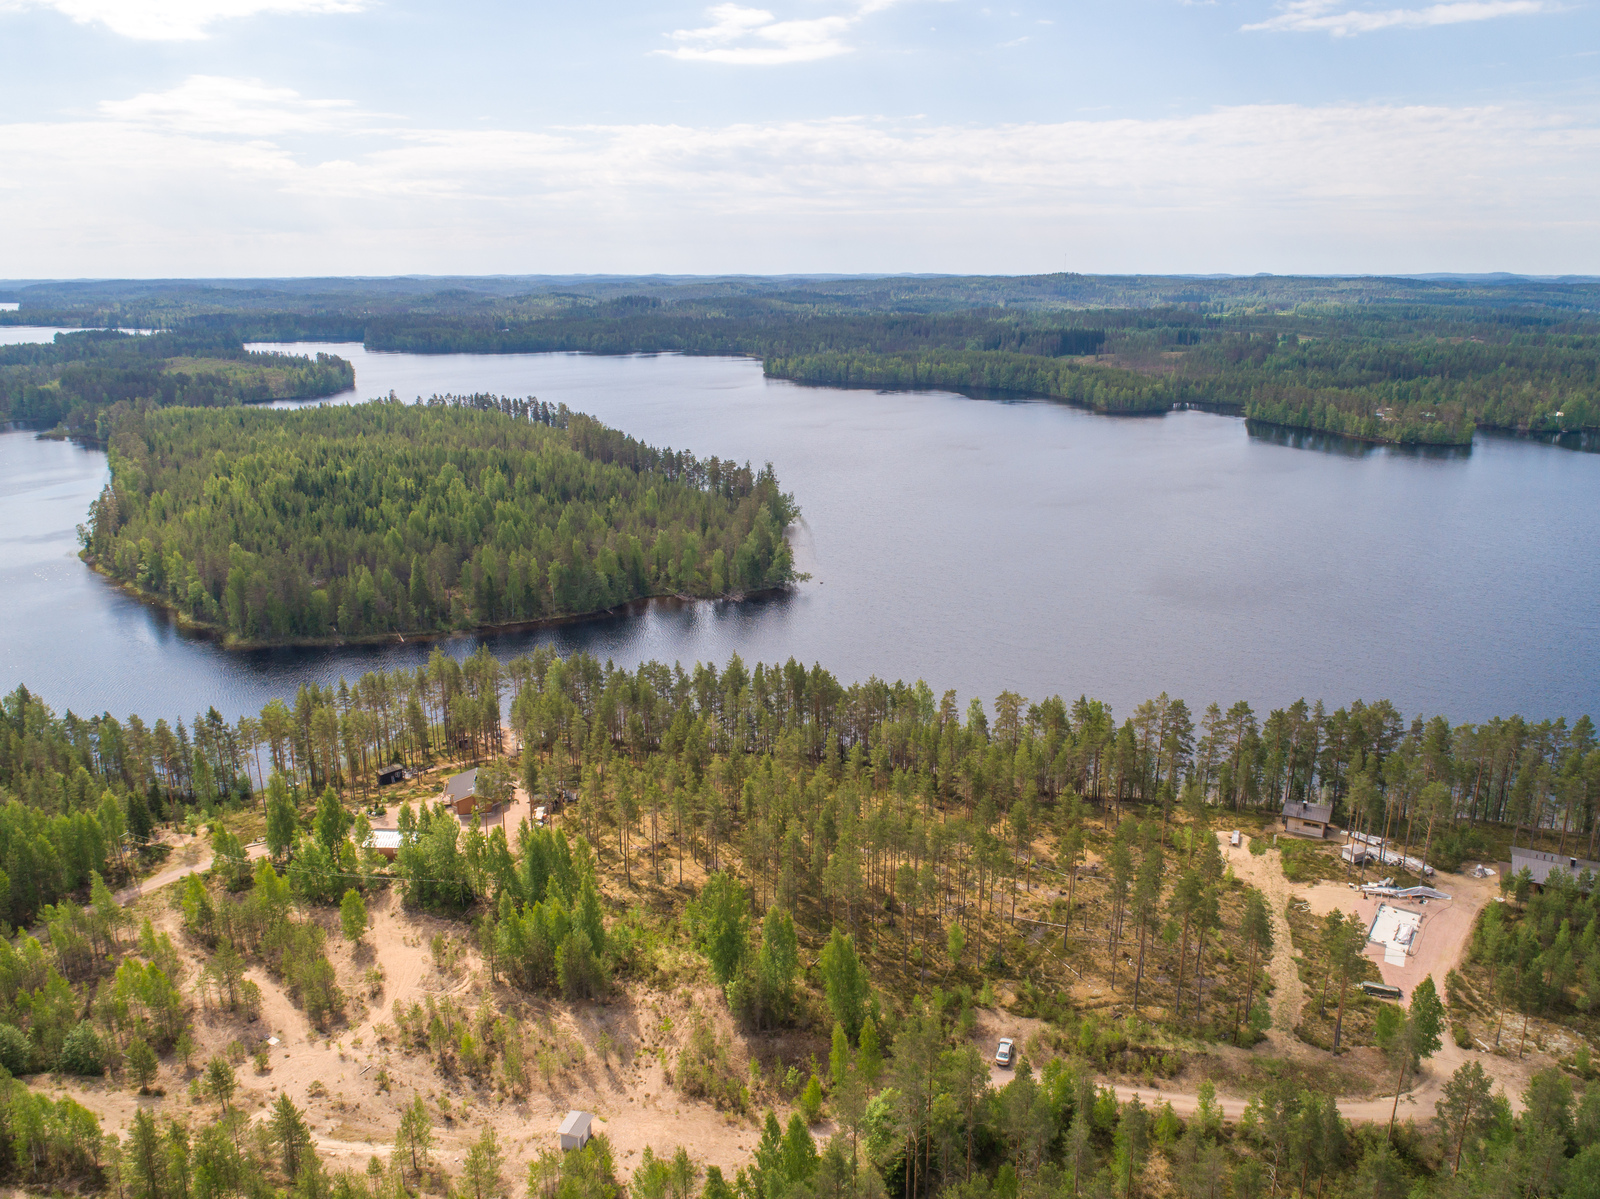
x=1405, y=361
x=69, y=384
x=346, y=522
x=796, y=914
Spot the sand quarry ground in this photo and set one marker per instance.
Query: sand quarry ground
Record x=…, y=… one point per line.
x=335, y=1079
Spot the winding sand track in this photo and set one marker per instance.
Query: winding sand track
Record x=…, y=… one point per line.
x=256, y=849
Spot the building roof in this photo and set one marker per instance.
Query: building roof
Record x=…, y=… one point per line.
x=1321, y=813
x=384, y=838
x=462, y=785
x=1541, y=864
x=576, y=1122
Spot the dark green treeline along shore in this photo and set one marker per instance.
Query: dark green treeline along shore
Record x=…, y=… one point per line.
x=72, y=383
x=1426, y=390
x=342, y=522
x=1404, y=361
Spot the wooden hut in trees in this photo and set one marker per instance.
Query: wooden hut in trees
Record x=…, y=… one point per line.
x=461, y=792
x=1301, y=819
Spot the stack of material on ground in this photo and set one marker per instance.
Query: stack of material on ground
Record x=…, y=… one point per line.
x=1364, y=847
x=1388, y=892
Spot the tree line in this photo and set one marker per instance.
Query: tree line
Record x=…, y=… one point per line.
x=1429, y=785
x=74, y=383
x=381, y=518
x=1405, y=362
x=872, y=798
x=1405, y=375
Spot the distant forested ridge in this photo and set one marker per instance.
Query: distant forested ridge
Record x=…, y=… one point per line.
x=1104, y=390
x=71, y=382
x=381, y=518
x=1424, y=361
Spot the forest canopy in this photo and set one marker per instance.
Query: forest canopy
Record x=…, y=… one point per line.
x=382, y=518
x=71, y=382
x=1424, y=361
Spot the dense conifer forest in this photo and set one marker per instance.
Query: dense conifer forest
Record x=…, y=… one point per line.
x=70, y=383
x=384, y=518
x=1413, y=361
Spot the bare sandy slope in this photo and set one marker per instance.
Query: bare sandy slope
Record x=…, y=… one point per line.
x=335, y=1080
x=1265, y=873
x=353, y=1083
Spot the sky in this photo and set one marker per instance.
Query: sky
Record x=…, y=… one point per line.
x=162, y=138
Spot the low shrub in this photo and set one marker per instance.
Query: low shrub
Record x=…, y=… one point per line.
x=705, y=1071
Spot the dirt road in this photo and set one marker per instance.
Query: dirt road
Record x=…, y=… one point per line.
x=256, y=849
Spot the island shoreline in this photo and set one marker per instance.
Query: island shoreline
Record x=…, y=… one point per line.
x=200, y=631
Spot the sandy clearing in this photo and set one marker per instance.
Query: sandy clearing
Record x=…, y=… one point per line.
x=1265, y=873
x=334, y=1079
x=1446, y=924
x=507, y=816
x=1443, y=942
x=989, y=1025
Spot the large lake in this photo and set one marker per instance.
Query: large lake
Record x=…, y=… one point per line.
x=977, y=544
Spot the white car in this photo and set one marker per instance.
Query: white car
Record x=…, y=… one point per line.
x=1004, y=1053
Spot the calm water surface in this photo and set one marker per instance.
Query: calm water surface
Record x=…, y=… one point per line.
x=19, y=335
x=977, y=544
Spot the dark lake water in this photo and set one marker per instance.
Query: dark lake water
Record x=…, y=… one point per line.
x=976, y=544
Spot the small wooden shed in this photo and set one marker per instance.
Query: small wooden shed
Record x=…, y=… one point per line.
x=575, y=1130
x=386, y=841
x=460, y=792
x=391, y=774
x=1307, y=819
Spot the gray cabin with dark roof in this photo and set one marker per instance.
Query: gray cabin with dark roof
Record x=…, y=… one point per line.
x=1541, y=865
x=1301, y=819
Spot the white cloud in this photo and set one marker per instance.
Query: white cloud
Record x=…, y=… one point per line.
x=176, y=20
x=1318, y=16
x=289, y=185
x=754, y=37
x=218, y=104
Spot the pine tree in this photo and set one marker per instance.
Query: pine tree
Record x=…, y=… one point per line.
x=291, y=1134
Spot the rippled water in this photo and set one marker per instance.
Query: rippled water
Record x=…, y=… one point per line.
x=975, y=543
